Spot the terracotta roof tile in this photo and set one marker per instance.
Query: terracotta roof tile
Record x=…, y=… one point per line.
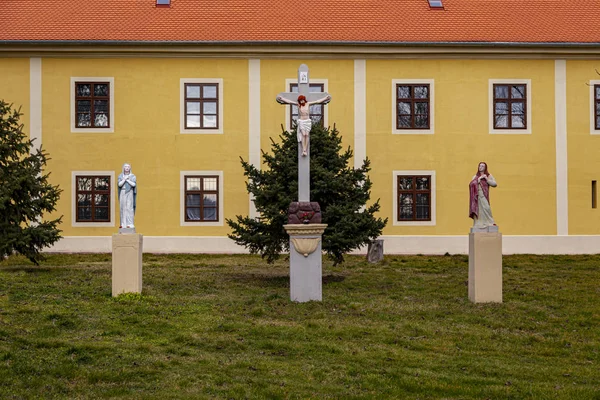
x=397, y=21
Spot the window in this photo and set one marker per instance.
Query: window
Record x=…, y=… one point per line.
x=93, y=198
x=595, y=105
x=412, y=106
x=202, y=197
x=317, y=114
x=92, y=108
x=201, y=106
x=414, y=198
x=510, y=103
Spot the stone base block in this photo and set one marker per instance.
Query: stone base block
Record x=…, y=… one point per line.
x=485, y=267
x=127, y=263
x=306, y=276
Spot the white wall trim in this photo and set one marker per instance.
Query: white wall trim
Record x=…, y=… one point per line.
x=288, y=82
x=395, y=221
x=434, y=245
x=111, y=119
x=360, y=112
x=593, y=130
x=431, y=129
x=253, y=121
x=491, y=83
x=35, y=102
x=560, y=112
x=73, y=195
x=182, y=220
x=221, y=110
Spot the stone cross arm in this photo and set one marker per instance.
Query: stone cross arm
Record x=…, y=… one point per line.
x=311, y=98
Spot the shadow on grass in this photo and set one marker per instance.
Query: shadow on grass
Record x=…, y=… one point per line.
x=28, y=269
x=264, y=280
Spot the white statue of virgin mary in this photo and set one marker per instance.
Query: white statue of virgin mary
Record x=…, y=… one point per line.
x=127, y=196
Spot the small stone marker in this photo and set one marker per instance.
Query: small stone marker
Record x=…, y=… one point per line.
x=375, y=251
x=485, y=266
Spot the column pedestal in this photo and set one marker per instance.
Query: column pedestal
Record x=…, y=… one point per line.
x=485, y=267
x=127, y=263
x=306, y=276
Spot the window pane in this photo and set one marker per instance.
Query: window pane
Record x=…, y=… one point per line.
x=500, y=91
x=209, y=107
x=421, y=92
x=316, y=109
x=403, y=108
x=101, y=89
x=405, y=184
x=598, y=108
x=101, y=213
x=102, y=183
x=403, y=92
x=422, y=183
x=84, y=213
x=193, y=121
x=421, y=121
x=84, y=90
x=210, y=200
x=517, y=92
x=502, y=108
x=597, y=87
x=193, y=107
x=84, y=120
x=598, y=123
x=192, y=200
x=210, y=121
x=101, y=106
x=501, y=121
x=192, y=91
x=84, y=200
x=101, y=200
x=210, y=183
x=84, y=106
x=101, y=120
x=518, y=121
x=209, y=92
x=193, y=214
x=316, y=119
x=422, y=199
x=210, y=214
x=518, y=108
x=420, y=108
x=294, y=88
x=422, y=212
x=294, y=109
x=406, y=212
x=193, y=184
x=84, y=183
x=404, y=121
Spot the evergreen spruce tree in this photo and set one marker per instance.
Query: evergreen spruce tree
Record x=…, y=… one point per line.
x=25, y=194
x=341, y=191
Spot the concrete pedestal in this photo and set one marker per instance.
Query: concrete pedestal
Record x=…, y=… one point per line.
x=485, y=267
x=306, y=277
x=127, y=263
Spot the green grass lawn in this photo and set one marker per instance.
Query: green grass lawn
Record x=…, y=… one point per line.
x=223, y=327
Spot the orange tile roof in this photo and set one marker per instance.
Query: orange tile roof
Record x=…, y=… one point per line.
x=351, y=21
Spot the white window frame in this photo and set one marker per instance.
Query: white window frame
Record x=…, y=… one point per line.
x=491, y=83
x=288, y=119
x=111, y=117
x=182, y=220
x=593, y=130
x=431, y=129
x=182, y=128
x=395, y=175
x=74, y=222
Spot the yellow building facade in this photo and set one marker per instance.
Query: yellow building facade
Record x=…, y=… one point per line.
x=546, y=171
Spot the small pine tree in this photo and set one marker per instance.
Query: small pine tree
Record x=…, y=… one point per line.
x=341, y=191
x=25, y=194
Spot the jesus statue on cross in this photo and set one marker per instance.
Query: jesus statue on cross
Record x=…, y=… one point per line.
x=304, y=122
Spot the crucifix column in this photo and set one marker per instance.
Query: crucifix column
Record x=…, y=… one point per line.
x=304, y=217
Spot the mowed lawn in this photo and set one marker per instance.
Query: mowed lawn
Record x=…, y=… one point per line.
x=223, y=327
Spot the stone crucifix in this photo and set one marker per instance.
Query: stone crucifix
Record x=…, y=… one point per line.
x=303, y=99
